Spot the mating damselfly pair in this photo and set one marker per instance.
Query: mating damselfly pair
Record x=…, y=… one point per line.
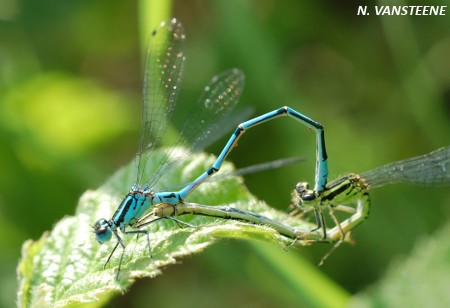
x=162, y=81
x=144, y=204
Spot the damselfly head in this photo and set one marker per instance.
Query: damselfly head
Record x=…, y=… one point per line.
x=302, y=193
x=102, y=231
x=142, y=190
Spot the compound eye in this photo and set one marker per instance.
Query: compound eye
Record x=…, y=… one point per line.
x=308, y=196
x=304, y=193
x=102, y=231
x=301, y=187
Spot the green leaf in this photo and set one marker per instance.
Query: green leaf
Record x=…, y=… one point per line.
x=65, y=266
x=302, y=279
x=421, y=280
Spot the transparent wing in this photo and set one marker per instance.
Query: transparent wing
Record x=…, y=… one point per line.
x=206, y=119
x=429, y=169
x=214, y=106
x=163, y=72
x=275, y=164
x=261, y=167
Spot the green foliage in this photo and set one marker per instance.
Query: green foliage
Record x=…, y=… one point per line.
x=419, y=280
x=65, y=266
x=379, y=84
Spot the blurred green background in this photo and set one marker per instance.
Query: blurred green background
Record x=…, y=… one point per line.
x=70, y=114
